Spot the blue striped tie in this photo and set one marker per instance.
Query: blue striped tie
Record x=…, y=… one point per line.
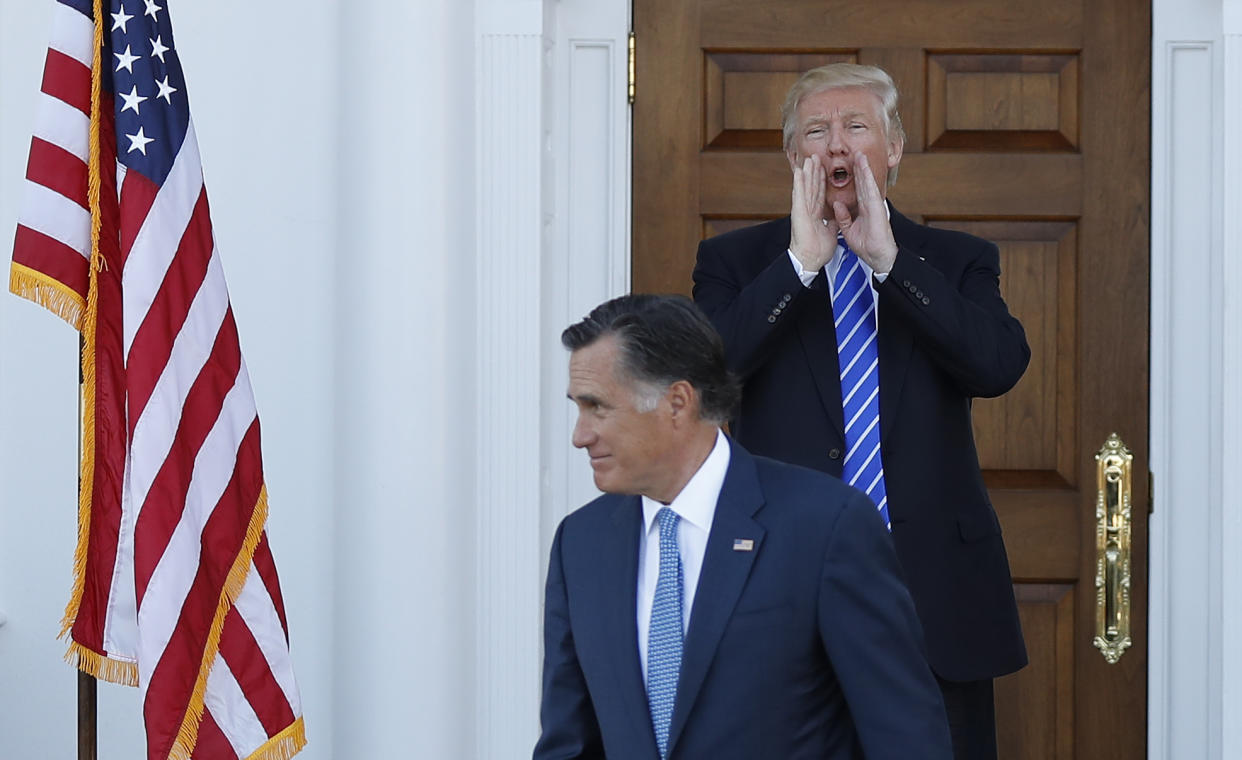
x=664, y=635
x=853, y=308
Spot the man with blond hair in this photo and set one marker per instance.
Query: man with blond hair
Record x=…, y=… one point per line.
x=861, y=338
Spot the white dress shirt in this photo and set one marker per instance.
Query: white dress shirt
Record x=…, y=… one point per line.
x=696, y=505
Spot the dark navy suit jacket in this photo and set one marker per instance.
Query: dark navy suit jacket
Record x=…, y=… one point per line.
x=806, y=646
x=945, y=336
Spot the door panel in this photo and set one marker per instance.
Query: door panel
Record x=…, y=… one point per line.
x=1027, y=124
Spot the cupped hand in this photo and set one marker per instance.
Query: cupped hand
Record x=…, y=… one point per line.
x=812, y=238
x=869, y=234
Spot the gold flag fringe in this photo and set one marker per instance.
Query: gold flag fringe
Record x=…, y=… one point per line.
x=283, y=745
x=104, y=668
x=86, y=473
x=86, y=480
x=187, y=735
x=48, y=292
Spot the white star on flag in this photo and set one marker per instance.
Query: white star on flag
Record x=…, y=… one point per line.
x=125, y=60
x=132, y=100
x=158, y=49
x=139, y=142
x=119, y=20
x=166, y=90
x=152, y=9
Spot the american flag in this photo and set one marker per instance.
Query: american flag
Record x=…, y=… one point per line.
x=175, y=589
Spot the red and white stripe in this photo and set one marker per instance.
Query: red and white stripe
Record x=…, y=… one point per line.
x=53, y=226
x=179, y=575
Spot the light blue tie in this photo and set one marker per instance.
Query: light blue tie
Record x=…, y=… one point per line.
x=664, y=635
x=853, y=308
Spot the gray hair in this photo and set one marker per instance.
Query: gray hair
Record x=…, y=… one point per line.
x=662, y=339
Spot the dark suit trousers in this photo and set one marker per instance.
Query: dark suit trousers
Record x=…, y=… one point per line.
x=972, y=718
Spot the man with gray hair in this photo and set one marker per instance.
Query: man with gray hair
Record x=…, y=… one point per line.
x=861, y=338
x=713, y=604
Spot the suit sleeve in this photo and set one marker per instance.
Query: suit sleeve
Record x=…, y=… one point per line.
x=964, y=326
x=568, y=727
x=749, y=315
x=874, y=641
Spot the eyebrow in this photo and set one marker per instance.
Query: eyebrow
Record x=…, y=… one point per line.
x=844, y=115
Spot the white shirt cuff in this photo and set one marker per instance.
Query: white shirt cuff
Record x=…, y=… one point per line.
x=806, y=277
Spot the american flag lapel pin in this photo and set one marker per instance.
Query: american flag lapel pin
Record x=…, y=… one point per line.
x=743, y=544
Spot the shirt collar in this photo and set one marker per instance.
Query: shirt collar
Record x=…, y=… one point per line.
x=696, y=504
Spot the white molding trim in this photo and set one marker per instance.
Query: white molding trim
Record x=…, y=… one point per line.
x=588, y=258
x=1231, y=330
x=508, y=290
x=1184, y=617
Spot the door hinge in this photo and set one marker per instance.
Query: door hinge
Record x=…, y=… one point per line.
x=630, y=62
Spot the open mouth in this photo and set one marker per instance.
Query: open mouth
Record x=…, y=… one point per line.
x=839, y=177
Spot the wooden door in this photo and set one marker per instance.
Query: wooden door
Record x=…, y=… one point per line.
x=1027, y=124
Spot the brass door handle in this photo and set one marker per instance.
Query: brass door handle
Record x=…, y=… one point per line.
x=1112, y=549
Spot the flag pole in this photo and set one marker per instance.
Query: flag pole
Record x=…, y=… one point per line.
x=88, y=725
x=87, y=684
x=86, y=715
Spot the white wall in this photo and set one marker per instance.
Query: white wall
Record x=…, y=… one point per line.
x=38, y=441
x=404, y=516
x=38, y=407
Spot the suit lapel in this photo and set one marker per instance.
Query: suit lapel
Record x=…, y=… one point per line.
x=895, y=341
x=619, y=597
x=818, y=334
x=721, y=580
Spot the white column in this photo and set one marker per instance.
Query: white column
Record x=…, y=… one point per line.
x=1231, y=331
x=508, y=223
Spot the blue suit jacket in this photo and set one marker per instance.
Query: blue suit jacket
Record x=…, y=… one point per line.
x=807, y=646
x=945, y=335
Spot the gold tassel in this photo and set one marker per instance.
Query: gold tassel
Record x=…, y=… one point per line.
x=86, y=480
x=283, y=745
x=49, y=293
x=107, y=669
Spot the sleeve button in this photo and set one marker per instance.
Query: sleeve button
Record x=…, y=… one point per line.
x=772, y=319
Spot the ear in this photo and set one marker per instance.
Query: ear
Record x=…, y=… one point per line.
x=792, y=155
x=895, y=148
x=683, y=401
